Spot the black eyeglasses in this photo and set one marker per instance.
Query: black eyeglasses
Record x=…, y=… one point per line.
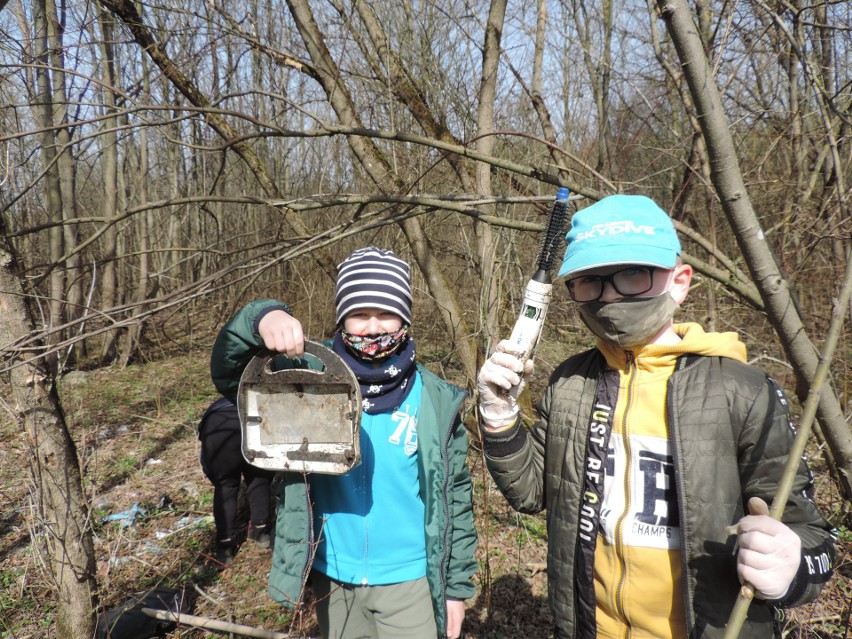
x=630, y=281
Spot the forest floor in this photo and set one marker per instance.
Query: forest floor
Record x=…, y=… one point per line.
x=136, y=432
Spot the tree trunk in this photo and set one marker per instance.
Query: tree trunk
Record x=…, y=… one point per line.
x=60, y=504
x=538, y=52
x=827, y=83
x=52, y=187
x=145, y=226
x=109, y=146
x=405, y=88
x=729, y=184
x=381, y=173
x=72, y=283
x=488, y=302
x=599, y=71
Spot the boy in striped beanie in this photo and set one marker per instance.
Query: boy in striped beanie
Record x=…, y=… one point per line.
x=393, y=538
x=373, y=277
x=374, y=296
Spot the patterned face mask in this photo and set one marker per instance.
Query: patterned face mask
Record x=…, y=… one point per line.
x=375, y=347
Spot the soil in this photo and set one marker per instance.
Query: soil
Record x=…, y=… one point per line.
x=136, y=433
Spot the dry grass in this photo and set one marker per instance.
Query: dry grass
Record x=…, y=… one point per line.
x=136, y=433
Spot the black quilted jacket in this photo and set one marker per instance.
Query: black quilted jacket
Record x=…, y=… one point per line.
x=730, y=433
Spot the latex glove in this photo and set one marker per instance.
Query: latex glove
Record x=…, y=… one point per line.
x=282, y=333
x=499, y=383
x=455, y=616
x=769, y=553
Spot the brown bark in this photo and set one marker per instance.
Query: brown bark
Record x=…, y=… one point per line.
x=61, y=509
x=538, y=52
x=145, y=227
x=488, y=302
x=599, y=72
x=405, y=88
x=109, y=139
x=72, y=289
x=49, y=151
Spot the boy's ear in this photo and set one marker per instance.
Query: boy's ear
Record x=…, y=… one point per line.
x=680, y=282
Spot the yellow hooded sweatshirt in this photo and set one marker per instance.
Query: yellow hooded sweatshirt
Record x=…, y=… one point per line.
x=637, y=557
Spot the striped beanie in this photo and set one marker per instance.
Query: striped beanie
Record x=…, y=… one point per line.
x=373, y=278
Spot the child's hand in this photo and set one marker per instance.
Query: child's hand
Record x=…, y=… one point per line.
x=455, y=616
x=499, y=383
x=769, y=553
x=282, y=333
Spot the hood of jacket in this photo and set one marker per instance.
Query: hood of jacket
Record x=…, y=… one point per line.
x=693, y=340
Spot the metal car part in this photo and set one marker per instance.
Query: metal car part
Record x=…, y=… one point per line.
x=300, y=419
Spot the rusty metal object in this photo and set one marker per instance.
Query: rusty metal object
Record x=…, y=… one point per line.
x=299, y=419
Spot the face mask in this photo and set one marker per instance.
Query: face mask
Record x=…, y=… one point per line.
x=374, y=347
x=630, y=322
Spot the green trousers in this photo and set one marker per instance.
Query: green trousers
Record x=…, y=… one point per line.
x=395, y=611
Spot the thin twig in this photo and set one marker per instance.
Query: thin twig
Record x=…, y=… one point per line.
x=208, y=597
x=215, y=624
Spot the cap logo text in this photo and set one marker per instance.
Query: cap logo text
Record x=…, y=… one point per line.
x=614, y=228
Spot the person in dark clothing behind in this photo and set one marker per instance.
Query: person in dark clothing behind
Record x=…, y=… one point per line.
x=224, y=465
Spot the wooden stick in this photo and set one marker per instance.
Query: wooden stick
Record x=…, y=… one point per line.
x=214, y=624
x=738, y=614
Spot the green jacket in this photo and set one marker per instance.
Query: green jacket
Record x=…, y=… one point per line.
x=730, y=434
x=445, y=484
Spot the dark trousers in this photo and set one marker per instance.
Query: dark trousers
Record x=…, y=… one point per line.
x=224, y=465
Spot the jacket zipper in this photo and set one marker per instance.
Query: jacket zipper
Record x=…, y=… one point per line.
x=445, y=456
x=312, y=545
x=673, y=438
x=619, y=525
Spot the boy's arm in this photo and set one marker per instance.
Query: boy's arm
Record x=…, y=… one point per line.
x=515, y=459
x=767, y=437
x=514, y=456
x=462, y=562
x=237, y=342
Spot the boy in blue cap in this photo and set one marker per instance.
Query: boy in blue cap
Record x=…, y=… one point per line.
x=648, y=448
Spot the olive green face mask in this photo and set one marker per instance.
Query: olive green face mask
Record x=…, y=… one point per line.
x=630, y=322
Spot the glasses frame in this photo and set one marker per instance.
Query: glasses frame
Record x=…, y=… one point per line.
x=603, y=279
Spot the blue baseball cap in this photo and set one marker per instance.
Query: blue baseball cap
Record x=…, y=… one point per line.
x=620, y=229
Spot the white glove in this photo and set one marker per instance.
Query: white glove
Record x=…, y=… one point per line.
x=769, y=552
x=499, y=383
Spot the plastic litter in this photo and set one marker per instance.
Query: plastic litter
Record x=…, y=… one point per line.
x=127, y=517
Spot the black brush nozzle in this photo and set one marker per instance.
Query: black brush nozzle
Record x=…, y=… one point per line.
x=553, y=232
